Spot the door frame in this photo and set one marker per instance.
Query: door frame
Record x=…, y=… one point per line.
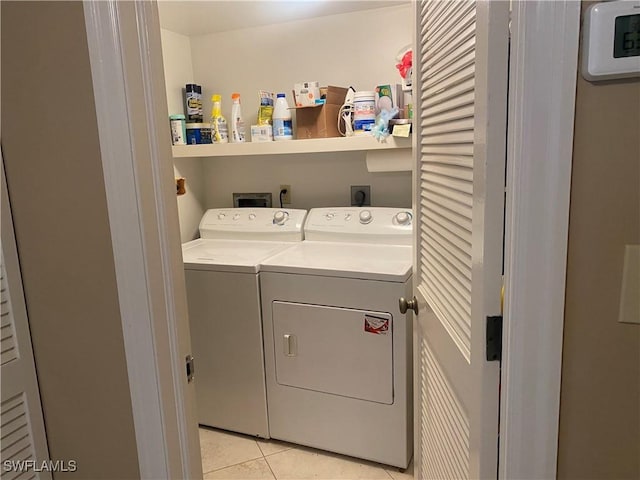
x=130, y=101
x=542, y=89
x=542, y=84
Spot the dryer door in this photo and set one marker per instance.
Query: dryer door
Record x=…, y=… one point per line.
x=334, y=350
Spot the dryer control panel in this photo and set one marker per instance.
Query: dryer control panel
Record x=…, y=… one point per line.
x=360, y=224
x=253, y=223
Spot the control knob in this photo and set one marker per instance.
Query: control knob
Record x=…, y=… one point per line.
x=221, y=216
x=365, y=216
x=403, y=218
x=280, y=217
x=252, y=216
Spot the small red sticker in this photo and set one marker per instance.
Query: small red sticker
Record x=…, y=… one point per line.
x=377, y=325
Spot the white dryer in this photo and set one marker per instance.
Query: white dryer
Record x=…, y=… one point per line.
x=221, y=271
x=338, y=353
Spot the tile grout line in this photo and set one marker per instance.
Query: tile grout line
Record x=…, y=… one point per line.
x=260, y=448
x=264, y=457
x=270, y=469
x=252, y=460
x=266, y=460
x=232, y=465
x=389, y=473
x=276, y=453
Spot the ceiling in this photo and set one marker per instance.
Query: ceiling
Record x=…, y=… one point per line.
x=199, y=17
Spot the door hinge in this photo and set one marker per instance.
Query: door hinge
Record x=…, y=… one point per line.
x=191, y=369
x=494, y=338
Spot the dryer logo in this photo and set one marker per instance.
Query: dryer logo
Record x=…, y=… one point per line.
x=377, y=325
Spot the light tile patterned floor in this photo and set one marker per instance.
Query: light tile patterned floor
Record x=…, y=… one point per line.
x=230, y=456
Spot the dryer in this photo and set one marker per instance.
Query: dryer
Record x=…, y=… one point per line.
x=222, y=279
x=338, y=353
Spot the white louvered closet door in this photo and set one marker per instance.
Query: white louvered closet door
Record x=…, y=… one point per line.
x=460, y=97
x=21, y=424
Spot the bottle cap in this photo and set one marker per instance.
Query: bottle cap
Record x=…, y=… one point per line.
x=235, y=96
x=281, y=95
x=216, y=97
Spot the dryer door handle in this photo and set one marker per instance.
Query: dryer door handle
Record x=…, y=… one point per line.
x=290, y=345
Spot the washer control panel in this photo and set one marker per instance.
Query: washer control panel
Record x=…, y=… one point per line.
x=360, y=224
x=253, y=223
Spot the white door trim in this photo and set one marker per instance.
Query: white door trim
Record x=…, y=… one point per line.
x=138, y=179
x=544, y=58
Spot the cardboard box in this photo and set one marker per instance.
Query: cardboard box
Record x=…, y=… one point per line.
x=321, y=121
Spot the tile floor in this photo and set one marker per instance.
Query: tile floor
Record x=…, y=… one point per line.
x=228, y=455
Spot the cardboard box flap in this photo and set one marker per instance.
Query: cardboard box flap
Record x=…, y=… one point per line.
x=336, y=95
x=333, y=96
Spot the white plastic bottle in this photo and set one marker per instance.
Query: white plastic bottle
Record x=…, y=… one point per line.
x=237, y=123
x=282, y=124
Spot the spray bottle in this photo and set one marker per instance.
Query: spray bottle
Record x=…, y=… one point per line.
x=219, y=130
x=237, y=124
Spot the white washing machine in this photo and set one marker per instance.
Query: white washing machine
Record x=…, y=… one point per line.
x=338, y=353
x=221, y=271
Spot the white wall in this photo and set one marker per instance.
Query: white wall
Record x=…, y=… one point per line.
x=357, y=49
x=178, y=68
x=178, y=71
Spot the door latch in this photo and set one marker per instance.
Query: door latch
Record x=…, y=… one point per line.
x=494, y=338
x=191, y=369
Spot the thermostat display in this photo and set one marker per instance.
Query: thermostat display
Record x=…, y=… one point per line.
x=611, y=40
x=627, y=36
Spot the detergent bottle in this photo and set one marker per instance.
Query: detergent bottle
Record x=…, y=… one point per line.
x=219, y=130
x=282, y=125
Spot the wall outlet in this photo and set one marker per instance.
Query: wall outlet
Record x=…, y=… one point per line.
x=360, y=195
x=286, y=197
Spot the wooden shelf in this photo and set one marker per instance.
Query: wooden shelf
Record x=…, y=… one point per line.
x=315, y=145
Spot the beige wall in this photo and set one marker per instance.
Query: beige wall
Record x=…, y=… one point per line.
x=54, y=174
x=600, y=398
x=317, y=180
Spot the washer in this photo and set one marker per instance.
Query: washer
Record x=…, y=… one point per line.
x=338, y=353
x=222, y=277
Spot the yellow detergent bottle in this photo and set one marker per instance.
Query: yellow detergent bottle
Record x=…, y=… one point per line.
x=219, y=129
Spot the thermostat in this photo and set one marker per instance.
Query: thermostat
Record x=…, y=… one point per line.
x=611, y=40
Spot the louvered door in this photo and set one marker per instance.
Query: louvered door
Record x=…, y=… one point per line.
x=460, y=96
x=22, y=434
